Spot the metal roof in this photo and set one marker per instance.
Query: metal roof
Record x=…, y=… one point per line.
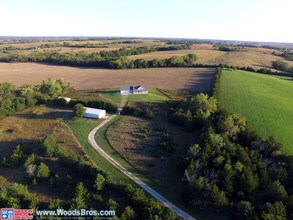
x=93, y=111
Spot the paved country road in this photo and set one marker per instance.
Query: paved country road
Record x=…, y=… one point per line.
x=164, y=201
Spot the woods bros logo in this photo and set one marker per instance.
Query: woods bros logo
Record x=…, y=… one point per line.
x=10, y=213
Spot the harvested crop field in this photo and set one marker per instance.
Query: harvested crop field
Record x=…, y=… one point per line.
x=191, y=79
x=254, y=57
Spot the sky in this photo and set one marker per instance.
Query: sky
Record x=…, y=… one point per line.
x=249, y=20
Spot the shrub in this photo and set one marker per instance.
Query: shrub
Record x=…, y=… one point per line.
x=79, y=110
x=17, y=157
x=43, y=171
x=100, y=182
x=49, y=143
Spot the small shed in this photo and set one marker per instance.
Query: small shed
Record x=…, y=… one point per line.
x=94, y=113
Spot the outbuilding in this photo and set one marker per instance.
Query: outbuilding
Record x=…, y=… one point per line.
x=65, y=98
x=94, y=113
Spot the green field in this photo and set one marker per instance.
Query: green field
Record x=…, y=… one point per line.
x=265, y=101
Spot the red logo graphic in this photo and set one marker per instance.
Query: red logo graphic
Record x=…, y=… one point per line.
x=21, y=214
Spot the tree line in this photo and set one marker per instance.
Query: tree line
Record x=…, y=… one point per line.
x=231, y=168
x=42, y=46
x=104, y=59
x=13, y=99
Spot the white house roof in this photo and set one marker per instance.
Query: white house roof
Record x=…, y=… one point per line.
x=94, y=111
x=137, y=87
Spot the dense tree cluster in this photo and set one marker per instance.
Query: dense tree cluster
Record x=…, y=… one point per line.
x=288, y=55
x=223, y=48
x=282, y=65
x=144, y=113
x=229, y=47
x=232, y=168
x=13, y=99
x=193, y=112
x=18, y=196
x=175, y=47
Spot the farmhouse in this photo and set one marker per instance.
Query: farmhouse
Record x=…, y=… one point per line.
x=94, y=113
x=140, y=89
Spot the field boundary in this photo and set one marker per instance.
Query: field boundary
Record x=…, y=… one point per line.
x=164, y=93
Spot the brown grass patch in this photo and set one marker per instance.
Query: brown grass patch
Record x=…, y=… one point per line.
x=194, y=79
x=126, y=136
x=34, y=123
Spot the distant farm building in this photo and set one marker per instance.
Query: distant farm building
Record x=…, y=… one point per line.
x=140, y=89
x=94, y=113
x=65, y=98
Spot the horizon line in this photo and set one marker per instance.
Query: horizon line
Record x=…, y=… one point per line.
x=136, y=37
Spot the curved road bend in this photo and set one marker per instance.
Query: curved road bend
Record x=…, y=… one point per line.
x=164, y=201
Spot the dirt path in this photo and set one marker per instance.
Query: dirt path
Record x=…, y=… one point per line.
x=151, y=191
x=123, y=101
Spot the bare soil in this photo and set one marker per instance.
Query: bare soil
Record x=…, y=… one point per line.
x=192, y=79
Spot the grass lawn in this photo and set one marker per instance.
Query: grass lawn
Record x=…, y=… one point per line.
x=265, y=101
x=112, y=95
x=154, y=95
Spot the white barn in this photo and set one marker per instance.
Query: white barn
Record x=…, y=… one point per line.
x=65, y=98
x=94, y=113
